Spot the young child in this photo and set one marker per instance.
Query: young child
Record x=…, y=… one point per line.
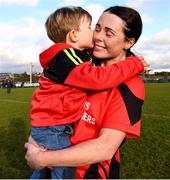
x=67, y=75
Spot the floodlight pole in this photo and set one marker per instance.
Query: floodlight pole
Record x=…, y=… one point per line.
x=30, y=73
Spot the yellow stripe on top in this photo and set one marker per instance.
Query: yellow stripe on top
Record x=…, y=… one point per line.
x=71, y=57
x=74, y=54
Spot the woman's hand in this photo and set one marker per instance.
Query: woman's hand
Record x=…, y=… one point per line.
x=33, y=154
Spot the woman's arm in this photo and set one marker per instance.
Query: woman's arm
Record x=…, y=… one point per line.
x=88, y=152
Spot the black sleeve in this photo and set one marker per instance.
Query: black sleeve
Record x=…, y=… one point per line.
x=63, y=63
x=133, y=104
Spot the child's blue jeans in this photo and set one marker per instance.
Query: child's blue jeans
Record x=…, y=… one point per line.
x=53, y=138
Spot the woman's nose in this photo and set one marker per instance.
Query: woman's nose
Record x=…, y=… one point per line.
x=98, y=36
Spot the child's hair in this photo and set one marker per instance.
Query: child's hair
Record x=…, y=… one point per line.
x=63, y=20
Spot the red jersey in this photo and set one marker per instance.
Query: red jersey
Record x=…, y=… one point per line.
x=118, y=108
x=68, y=74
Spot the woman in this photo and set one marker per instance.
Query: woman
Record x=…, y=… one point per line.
x=110, y=116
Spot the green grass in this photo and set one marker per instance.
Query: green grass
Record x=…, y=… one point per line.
x=149, y=156
x=14, y=125
x=144, y=158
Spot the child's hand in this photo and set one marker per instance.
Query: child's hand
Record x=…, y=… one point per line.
x=141, y=58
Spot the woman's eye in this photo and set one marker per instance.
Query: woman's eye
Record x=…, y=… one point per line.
x=97, y=29
x=109, y=34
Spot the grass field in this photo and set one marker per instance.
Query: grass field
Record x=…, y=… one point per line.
x=144, y=158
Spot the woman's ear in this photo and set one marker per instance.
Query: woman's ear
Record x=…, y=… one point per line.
x=73, y=36
x=129, y=43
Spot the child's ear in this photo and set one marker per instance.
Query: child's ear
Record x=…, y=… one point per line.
x=73, y=35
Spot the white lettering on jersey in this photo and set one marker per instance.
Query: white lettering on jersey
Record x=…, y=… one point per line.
x=89, y=119
x=86, y=105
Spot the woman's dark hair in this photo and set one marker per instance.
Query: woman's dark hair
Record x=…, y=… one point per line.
x=132, y=19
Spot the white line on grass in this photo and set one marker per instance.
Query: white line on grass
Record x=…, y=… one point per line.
x=13, y=101
x=156, y=115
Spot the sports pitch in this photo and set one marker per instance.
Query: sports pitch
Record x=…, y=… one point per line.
x=144, y=158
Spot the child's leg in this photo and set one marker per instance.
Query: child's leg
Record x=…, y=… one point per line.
x=61, y=136
x=57, y=173
x=53, y=138
x=70, y=173
x=63, y=173
x=39, y=174
x=39, y=135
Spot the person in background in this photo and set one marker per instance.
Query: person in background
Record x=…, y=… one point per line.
x=110, y=116
x=9, y=85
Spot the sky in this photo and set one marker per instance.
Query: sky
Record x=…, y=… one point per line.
x=23, y=35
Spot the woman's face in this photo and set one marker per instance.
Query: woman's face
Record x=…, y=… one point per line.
x=109, y=39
